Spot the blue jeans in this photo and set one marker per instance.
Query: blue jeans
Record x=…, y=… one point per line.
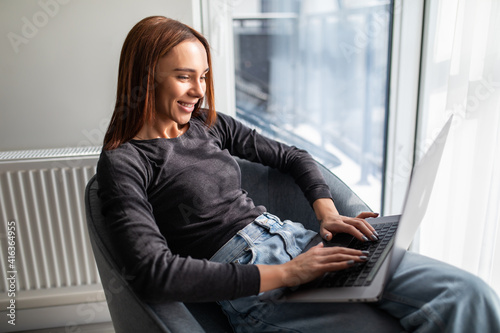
x=424, y=294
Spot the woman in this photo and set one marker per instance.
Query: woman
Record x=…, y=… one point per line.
x=172, y=199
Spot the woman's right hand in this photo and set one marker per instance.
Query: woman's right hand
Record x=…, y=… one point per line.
x=309, y=266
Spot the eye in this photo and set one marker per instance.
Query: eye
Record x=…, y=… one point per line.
x=183, y=77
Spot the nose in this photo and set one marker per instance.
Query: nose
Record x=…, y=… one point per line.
x=198, y=89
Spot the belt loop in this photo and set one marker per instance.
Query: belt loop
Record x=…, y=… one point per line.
x=274, y=218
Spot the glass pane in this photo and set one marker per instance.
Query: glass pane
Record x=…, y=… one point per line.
x=314, y=74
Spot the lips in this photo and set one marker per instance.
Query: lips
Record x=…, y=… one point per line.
x=188, y=107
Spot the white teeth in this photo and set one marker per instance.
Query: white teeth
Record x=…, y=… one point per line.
x=186, y=105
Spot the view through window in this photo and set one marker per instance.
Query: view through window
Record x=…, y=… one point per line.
x=314, y=74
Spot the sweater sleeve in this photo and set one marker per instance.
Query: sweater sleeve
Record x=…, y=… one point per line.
x=248, y=144
x=153, y=271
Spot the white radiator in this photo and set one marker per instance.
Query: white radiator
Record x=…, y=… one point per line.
x=42, y=196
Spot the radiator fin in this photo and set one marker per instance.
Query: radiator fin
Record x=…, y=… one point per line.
x=49, y=153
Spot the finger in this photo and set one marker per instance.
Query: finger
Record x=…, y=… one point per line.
x=319, y=245
x=325, y=234
x=346, y=262
x=356, y=229
x=316, y=248
x=365, y=215
x=338, y=266
x=365, y=230
x=371, y=233
x=343, y=251
x=324, y=254
x=341, y=257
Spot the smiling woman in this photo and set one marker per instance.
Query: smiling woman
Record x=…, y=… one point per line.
x=181, y=76
x=185, y=230
x=143, y=69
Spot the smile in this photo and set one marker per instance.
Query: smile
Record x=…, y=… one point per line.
x=186, y=104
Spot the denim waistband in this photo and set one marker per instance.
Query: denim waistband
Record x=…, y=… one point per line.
x=247, y=236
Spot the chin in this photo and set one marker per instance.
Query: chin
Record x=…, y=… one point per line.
x=184, y=120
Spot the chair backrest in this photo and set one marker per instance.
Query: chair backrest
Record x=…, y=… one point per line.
x=128, y=312
x=275, y=190
x=282, y=197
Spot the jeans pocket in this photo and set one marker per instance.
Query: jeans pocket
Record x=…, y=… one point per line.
x=247, y=258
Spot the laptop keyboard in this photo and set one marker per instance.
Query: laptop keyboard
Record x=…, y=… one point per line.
x=362, y=273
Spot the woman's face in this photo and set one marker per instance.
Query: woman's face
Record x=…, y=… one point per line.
x=180, y=76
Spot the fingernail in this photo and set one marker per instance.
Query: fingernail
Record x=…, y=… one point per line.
x=374, y=238
x=376, y=233
x=365, y=239
x=363, y=258
x=350, y=262
x=326, y=236
x=365, y=252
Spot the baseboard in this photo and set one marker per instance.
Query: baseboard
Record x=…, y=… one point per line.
x=69, y=317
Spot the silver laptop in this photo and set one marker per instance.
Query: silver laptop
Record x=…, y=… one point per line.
x=365, y=282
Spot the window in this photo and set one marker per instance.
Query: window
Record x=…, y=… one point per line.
x=315, y=74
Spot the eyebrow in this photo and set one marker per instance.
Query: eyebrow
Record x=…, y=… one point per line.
x=190, y=70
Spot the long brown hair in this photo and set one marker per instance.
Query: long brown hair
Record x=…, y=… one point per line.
x=148, y=41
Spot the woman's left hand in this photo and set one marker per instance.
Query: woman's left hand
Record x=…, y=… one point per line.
x=332, y=224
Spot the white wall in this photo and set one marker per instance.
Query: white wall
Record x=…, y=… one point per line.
x=59, y=63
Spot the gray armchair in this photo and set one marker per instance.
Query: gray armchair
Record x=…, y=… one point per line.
x=269, y=187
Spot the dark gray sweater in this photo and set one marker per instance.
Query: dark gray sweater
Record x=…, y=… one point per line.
x=172, y=203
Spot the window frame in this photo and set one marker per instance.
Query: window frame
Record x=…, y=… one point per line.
x=217, y=26
x=403, y=91
x=404, y=86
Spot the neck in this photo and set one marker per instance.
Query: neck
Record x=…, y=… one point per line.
x=150, y=132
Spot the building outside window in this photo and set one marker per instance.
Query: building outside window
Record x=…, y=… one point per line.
x=314, y=74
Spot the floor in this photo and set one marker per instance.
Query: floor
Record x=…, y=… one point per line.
x=91, y=328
